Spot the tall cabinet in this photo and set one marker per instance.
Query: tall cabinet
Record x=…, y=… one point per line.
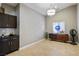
x=8, y=43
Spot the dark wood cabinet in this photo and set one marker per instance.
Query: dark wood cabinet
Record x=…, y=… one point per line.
x=5, y=21
x=8, y=21
x=14, y=43
x=1, y=19
x=9, y=44
x=59, y=37
x=4, y=46
x=12, y=21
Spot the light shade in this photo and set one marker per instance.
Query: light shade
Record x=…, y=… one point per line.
x=51, y=12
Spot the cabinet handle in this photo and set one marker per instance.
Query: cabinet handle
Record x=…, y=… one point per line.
x=7, y=24
x=14, y=38
x=11, y=43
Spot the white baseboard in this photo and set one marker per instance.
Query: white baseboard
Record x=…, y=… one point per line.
x=31, y=44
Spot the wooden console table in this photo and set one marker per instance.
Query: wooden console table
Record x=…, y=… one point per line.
x=59, y=37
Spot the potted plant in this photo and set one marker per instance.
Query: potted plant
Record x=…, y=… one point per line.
x=46, y=35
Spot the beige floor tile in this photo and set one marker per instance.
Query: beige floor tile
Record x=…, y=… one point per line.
x=48, y=48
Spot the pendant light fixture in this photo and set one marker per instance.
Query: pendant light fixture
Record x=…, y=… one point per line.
x=51, y=11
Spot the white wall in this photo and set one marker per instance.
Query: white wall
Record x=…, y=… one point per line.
x=32, y=25
x=78, y=20
x=67, y=15
x=78, y=17
x=18, y=19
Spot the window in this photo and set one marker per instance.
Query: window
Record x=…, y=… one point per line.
x=58, y=27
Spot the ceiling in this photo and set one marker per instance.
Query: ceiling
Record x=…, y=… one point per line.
x=43, y=7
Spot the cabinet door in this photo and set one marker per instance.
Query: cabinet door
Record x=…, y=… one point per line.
x=5, y=21
x=1, y=20
x=8, y=21
x=4, y=46
x=14, y=43
x=1, y=50
x=12, y=21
